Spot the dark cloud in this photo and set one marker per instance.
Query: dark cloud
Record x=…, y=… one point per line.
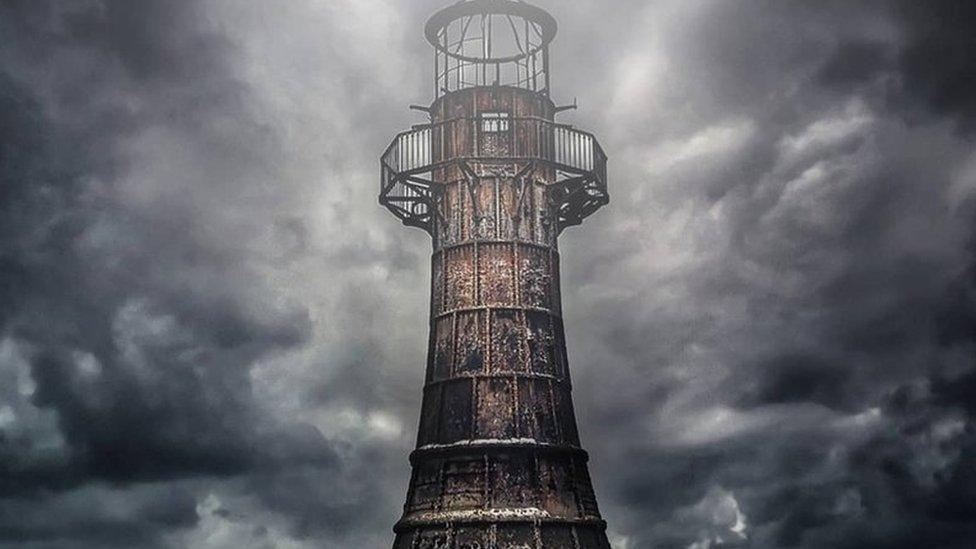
x=208, y=328
x=853, y=62
x=799, y=378
x=130, y=330
x=800, y=356
x=937, y=62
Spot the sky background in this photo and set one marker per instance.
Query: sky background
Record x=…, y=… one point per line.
x=212, y=336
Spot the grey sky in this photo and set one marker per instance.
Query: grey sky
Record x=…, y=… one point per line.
x=211, y=335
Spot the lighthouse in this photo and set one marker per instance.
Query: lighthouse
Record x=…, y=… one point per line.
x=494, y=180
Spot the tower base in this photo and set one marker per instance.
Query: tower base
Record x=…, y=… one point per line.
x=533, y=533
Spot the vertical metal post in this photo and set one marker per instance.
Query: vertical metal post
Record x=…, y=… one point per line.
x=545, y=65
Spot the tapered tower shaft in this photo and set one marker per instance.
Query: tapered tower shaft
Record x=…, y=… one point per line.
x=494, y=180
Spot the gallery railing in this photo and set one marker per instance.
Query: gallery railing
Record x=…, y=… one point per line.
x=578, y=163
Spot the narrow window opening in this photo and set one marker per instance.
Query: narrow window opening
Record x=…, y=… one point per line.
x=494, y=122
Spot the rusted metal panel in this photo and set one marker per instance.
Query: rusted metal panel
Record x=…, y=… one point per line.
x=483, y=212
x=496, y=275
x=442, y=348
x=535, y=277
x=496, y=402
x=584, y=489
x=541, y=341
x=507, y=207
x=524, y=215
x=528, y=421
x=460, y=263
x=556, y=536
x=495, y=144
x=560, y=361
x=437, y=284
x=538, y=423
x=456, y=411
x=470, y=538
x=425, y=493
x=467, y=214
x=563, y=406
x=430, y=416
x=580, y=535
x=508, y=349
x=433, y=539
x=464, y=483
x=469, y=352
x=555, y=290
x=516, y=536
x=558, y=491
x=514, y=482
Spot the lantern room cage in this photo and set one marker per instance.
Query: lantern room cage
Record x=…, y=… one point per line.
x=491, y=43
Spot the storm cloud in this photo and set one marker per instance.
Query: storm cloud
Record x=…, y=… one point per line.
x=212, y=336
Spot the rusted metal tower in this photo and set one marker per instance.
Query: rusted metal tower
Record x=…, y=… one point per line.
x=494, y=180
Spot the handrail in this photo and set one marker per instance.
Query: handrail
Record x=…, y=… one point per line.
x=408, y=188
x=427, y=146
x=457, y=118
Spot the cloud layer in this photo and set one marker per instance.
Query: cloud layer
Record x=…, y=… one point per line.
x=212, y=336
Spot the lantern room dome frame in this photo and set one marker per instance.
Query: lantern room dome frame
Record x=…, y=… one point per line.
x=544, y=23
x=491, y=43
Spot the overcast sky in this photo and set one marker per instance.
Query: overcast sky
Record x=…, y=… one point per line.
x=212, y=336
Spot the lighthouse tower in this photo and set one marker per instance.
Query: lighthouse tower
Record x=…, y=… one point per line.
x=494, y=180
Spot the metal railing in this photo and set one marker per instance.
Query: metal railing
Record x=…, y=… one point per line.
x=425, y=147
x=409, y=162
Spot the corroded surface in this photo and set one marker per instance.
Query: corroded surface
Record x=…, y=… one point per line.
x=498, y=461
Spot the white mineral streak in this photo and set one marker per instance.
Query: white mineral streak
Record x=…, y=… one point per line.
x=481, y=514
x=483, y=441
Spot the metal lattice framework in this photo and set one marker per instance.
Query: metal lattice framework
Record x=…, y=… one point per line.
x=407, y=188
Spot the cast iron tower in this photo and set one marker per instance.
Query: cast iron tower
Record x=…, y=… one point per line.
x=494, y=180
